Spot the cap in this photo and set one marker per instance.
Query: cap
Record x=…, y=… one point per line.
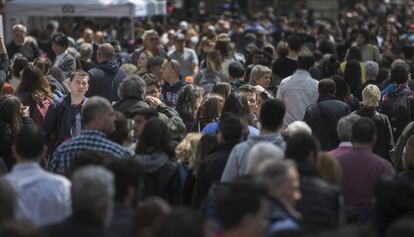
x=154, y=62
x=179, y=37
x=236, y=70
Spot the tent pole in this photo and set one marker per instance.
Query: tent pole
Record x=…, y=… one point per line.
x=131, y=24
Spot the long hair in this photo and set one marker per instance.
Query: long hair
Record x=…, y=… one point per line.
x=43, y=64
x=155, y=137
x=35, y=84
x=187, y=104
x=214, y=60
x=10, y=119
x=210, y=109
x=352, y=76
x=238, y=105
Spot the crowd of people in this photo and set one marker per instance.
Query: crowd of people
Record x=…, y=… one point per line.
x=265, y=126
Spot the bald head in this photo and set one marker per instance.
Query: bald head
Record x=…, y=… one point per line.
x=106, y=52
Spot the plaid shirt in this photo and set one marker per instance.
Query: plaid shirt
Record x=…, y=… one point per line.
x=92, y=140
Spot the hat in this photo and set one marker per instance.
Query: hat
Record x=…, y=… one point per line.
x=154, y=62
x=179, y=37
x=236, y=70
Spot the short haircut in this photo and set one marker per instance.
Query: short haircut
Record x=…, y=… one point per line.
x=106, y=51
x=400, y=74
x=271, y=114
x=147, y=33
x=151, y=80
x=30, y=142
x=258, y=72
x=371, y=69
x=344, y=127
x=92, y=187
x=261, y=152
x=246, y=88
x=60, y=39
x=132, y=86
x=297, y=127
x=306, y=60
x=86, y=50
x=326, y=86
x=371, y=96
x=300, y=145
x=295, y=42
x=78, y=72
x=19, y=26
x=231, y=127
x=93, y=108
x=364, y=131
x=275, y=173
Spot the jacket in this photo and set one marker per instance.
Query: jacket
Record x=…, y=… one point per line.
x=162, y=177
x=127, y=106
x=170, y=93
x=237, y=163
x=323, y=117
x=385, y=141
x=104, y=80
x=67, y=64
x=4, y=69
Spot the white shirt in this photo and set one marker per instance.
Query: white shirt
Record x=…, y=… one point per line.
x=43, y=198
x=297, y=92
x=59, y=58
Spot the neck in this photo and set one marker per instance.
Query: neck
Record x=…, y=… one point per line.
x=358, y=145
x=293, y=55
x=265, y=131
x=172, y=81
x=75, y=100
x=20, y=42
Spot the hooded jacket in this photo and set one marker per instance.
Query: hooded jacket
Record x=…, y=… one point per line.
x=104, y=80
x=237, y=163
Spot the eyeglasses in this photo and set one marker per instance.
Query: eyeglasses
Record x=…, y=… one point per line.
x=154, y=39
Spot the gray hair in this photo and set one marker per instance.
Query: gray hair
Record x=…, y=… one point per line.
x=147, y=33
x=258, y=72
x=261, y=152
x=344, y=127
x=276, y=172
x=398, y=62
x=297, y=127
x=371, y=69
x=86, y=50
x=92, y=187
x=132, y=86
x=93, y=108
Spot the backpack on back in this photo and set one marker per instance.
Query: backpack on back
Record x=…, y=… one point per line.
x=397, y=108
x=40, y=111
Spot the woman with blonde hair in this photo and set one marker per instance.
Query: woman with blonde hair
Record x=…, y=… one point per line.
x=260, y=79
x=212, y=74
x=371, y=96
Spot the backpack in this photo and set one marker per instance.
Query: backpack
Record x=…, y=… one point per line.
x=397, y=108
x=40, y=111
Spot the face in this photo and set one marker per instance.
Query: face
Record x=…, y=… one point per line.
x=153, y=90
x=157, y=71
x=79, y=85
x=290, y=190
x=142, y=60
x=251, y=99
x=152, y=41
x=88, y=36
x=166, y=70
x=57, y=48
x=360, y=40
x=139, y=122
x=107, y=121
x=264, y=81
x=179, y=45
x=19, y=33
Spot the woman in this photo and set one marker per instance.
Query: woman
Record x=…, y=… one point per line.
x=58, y=89
x=342, y=93
x=155, y=153
x=352, y=76
x=212, y=74
x=188, y=102
x=18, y=65
x=354, y=54
x=260, y=79
x=142, y=63
x=35, y=92
x=209, y=111
x=13, y=115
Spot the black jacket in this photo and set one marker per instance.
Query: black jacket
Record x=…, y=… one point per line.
x=162, y=177
x=129, y=105
x=210, y=172
x=104, y=80
x=385, y=140
x=323, y=116
x=321, y=204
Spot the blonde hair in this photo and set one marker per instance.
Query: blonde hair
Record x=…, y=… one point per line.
x=129, y=68
x=186, y=151
x=371, y=96
x=330, y=169
x=258, y=72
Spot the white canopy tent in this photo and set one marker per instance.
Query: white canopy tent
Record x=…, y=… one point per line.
x=81, y=8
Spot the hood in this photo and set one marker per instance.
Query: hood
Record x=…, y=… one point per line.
x=110, y=67
x=152, y=162
x=129, y=106
x=274, y=138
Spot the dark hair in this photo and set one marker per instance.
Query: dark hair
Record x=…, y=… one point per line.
x=60, y=39
x=18, y=65
x=43, y=64
x=155, y=137
x=238, y=105
x=224, y=48
x=306, y=60
x=342, y=89
x=30, y=142
x=149, y=215
x=408, y=51
x=300, y=145
x=183, y=222
x=352, y=76
x=326, y=46
x=399, y=74
x=89, y=157
x=326, y=86
x=35, y=84
x=271, y=114
x=222, y=89
x=230, y=127
x=78, y=72
x=330, y=67
x=354, y=54
x=10, y=119
x=187, y=104
x=151, y=80
x=295, y=42
x=210, y=109
x=364, y=131
x=208, y=142
x=121, y=133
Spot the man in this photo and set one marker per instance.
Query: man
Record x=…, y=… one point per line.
x=106, y=76
x=299, y=90
x=64, y=60
x=64, y=119
x=283, y=189
x=85, y=52
x=286, y=66
x=151, y=44
x=154, y=66
x=42, y=198
x=20, y=45
x=371, y=72
x=271, y=117
x=323, y=116
x=98, y=119
x=185, y=56
x=89, y=37
x=344, y=129
x=92, y=203
x=368, y=51
x=173, y=83
x=320, y=205
x=361, y=170
x=236, y=75
x=153, y=85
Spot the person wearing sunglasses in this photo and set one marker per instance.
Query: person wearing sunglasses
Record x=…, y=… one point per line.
x=151, y=45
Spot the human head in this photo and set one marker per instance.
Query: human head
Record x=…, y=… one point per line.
x=88, y=36
x=208, y=142
x=18, y=65
x=364, y=132
x=140, y=117
x=238, y=105
x=92, y=193
x=297, y=127
x=149, y=216
x=30, y=144
x=250, y=93
x=303, y=148
x=306, y=60
x=260, y=153
x=121, y=133
x=143, y=60
x=132, y=87
x=223, y=89
x=236, y=71
x=152, y=85
x=295, y=43
x=230, y=128
x=154, y=66
x=213, y=61
x=43, y=64
x=78, y=83
x=352, y=75
x=371, y=96
x=260, y=75
x=19, y=33
x=129, y=69
x=210, y=109
x=344, y=127
x=354, y=54
x=188, y=102
x=282, y=181
x=362, y=38
x=151, y=39
x=34, y=83
x=155, y=137
x=186, y=151
x=60, y=43
x=371, y=70
x=105, y=52
x=10, y=109
x=98, y=114
x=170, y=71
x=400, y=74
x=179, y=42
x=271, y=114
x=99, y=37
x=86, y=51
x=326, y=87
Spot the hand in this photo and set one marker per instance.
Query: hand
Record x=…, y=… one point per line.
x=24, y=111
x=153, y=101
x=259, y=88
